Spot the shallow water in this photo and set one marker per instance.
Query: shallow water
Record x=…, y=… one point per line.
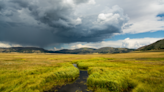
x=77, y=86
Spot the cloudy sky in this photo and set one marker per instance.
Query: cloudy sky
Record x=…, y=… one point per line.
x=70, y=24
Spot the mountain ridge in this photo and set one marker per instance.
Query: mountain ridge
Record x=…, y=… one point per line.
x=66, y=51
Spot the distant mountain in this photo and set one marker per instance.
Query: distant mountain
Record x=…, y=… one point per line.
x=91, y=50
x=66, y=51
x=113, y=50
x=155, y=46
x=23, y=50
x=77, y=51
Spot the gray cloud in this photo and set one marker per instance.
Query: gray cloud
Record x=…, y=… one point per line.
x=80, y=1
x=47, y=22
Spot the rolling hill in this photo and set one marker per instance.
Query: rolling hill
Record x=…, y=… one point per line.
x=77, y=51
x=154, y=46
x=113, y=50
x=66, y=51
x=23, y=50
x=91, y=50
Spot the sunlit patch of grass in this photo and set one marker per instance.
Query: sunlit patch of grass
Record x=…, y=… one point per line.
x=96, y=62
x=111, y=79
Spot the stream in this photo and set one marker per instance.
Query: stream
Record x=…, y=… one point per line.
x=79, y=85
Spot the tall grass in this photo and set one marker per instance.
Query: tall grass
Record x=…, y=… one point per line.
x=23, y=75
x=136, y=72
x=36, y=80
x=113, y=80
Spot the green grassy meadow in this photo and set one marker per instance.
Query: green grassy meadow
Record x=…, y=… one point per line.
x=127, y=72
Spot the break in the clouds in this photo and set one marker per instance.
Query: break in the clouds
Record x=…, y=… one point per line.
x=45, y=22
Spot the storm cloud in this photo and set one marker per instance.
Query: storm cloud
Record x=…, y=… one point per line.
x=48, y=22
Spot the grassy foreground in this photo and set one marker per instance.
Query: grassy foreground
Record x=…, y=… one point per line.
x=33, y=72
x=135, y=72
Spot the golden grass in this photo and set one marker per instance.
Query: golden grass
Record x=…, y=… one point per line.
x=136, y=72
x=34, y=72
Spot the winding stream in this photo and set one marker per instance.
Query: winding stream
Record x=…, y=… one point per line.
x=77, y=86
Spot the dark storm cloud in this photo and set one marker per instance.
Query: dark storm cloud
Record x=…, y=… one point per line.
x=46, y=22
x=22, y=3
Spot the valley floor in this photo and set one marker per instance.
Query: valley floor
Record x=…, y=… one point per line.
x=128, y=72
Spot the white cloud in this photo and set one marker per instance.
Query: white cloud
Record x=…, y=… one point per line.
x=142, y=13
x=111, y=17
x=55, y=49
x=146, y=25
x=91, y=2
x=4, y=45
x=136, y=43
x=126, y=43
x=80, y=46
x=7, y=45
x=78, y=21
